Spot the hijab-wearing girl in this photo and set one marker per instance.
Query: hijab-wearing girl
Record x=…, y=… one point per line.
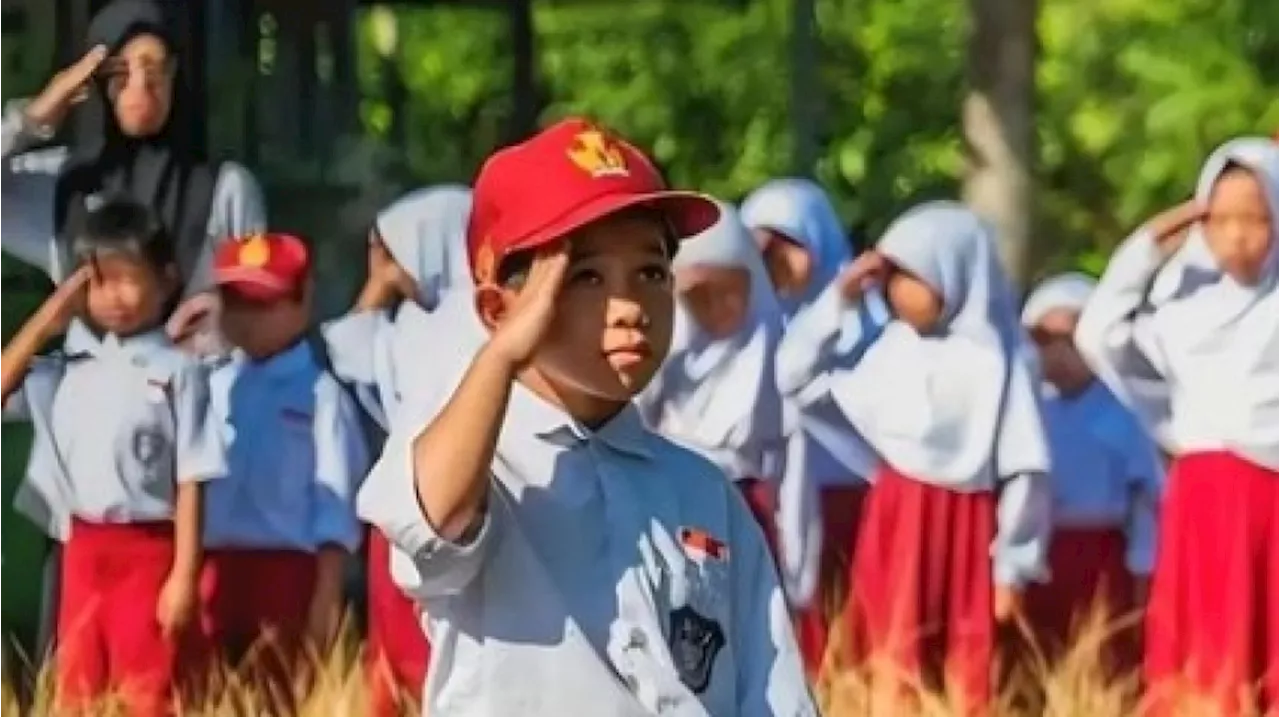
x=1106, y=479
x=1183, y=327
x=957, y=518
x=418, y=259
x=715, y=392
x=804, y=247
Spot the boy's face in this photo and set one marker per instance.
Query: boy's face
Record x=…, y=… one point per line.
x=127, y=295
x=612, y=327
x=264, y=328
x=716, y=297
x=1239, y=225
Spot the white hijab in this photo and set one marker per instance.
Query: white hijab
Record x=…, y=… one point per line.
x=959, y=408
x=1068, y=291
x=800, y=210
x=720, y=393
x=426, y=231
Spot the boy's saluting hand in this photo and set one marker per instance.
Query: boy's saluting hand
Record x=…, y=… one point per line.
x=519, y=333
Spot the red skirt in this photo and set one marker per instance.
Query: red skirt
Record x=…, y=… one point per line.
x=1089, y=573
x=107, y=634
x=841, y=509
x=397, y=656
x=1212, y=616
x=762, y=498
x=922, y=594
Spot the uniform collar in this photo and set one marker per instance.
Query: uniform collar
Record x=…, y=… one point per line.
x=290, y=361
x=624, y=433
x=81, y=340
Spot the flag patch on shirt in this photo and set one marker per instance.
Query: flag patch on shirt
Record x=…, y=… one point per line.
x=703, y=543
x=293, y=415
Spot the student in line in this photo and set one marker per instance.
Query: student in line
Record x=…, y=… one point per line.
x=1106, y=480
x=125, y=443
x=568, y=558
x=957, y=518
x=1183, y=327
x=284, y=516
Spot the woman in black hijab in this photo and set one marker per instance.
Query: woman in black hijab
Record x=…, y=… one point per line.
x=134, y=137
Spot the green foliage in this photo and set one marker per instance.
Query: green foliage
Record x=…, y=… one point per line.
x=1132, y=95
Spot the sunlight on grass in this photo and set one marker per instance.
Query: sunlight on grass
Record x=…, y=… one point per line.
x=1076, y=684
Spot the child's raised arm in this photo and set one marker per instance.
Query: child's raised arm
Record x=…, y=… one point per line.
x=50, y=320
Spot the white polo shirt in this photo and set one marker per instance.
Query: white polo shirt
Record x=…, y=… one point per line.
x=614, y=573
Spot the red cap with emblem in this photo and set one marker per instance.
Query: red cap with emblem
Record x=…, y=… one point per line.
x=262, y=267
x=561, y=179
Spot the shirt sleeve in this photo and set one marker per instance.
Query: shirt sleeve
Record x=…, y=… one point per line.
x=1146, y=476
x=1118, y=342
x=356, y=343
x=27, y=192
x=799, y=524
x=35, y=395
x=389, y=501
x=341, y=461
x=1023, y=528
x=199, y=450
x=770, y=675
x=827, y=331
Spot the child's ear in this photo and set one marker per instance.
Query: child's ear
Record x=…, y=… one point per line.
x=491, y=305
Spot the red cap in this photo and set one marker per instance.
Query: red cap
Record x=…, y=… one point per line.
x=561, y=179
x=263, y=267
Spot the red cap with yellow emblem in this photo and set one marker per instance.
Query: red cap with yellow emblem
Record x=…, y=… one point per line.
x=561, y=179
x=262, y=267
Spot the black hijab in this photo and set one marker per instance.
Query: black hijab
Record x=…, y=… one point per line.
x=168, y=171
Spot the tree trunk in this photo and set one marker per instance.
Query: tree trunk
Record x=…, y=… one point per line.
x=999, y=124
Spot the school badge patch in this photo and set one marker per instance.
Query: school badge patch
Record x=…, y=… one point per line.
x=149, y=446
x=695, y=642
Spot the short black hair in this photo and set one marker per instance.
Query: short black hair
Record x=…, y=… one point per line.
x=513, y=269
x=124, y=226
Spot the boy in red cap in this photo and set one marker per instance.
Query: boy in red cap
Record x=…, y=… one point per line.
x=280, y=524
x=569, y=559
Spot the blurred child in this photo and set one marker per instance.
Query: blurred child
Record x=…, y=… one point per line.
x=1106, y=482
x=284, y=515
x=957, y=519
x=1188, y=304
x=805, y=248
x=716, y=392
x=569, y=558
x=417, y=255
x=120, y=468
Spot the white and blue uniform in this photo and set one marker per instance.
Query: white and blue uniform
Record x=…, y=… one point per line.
x=295, y=453
x=613, y=556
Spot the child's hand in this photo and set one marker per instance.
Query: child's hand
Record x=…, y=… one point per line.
x=870, y=267
x=176, y=607
x=521, y=331
x=64, y=304
x=1007, y=606
x=1169, y=228
x=68, y=87
x=323, y=617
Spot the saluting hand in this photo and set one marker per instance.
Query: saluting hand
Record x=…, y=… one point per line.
x=869, y=268
x=68, y=87
x=64, y=304
x=520, y=332
x=1170, y=227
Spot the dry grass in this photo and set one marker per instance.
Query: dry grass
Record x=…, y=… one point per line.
x=1075, y=685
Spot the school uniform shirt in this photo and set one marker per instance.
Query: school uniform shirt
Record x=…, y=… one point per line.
x=613, y=557
x=27, y=190
x=1190, y=350
x=958, y=410
x=1105, y=470
x=119, y=422
x=295, y=452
